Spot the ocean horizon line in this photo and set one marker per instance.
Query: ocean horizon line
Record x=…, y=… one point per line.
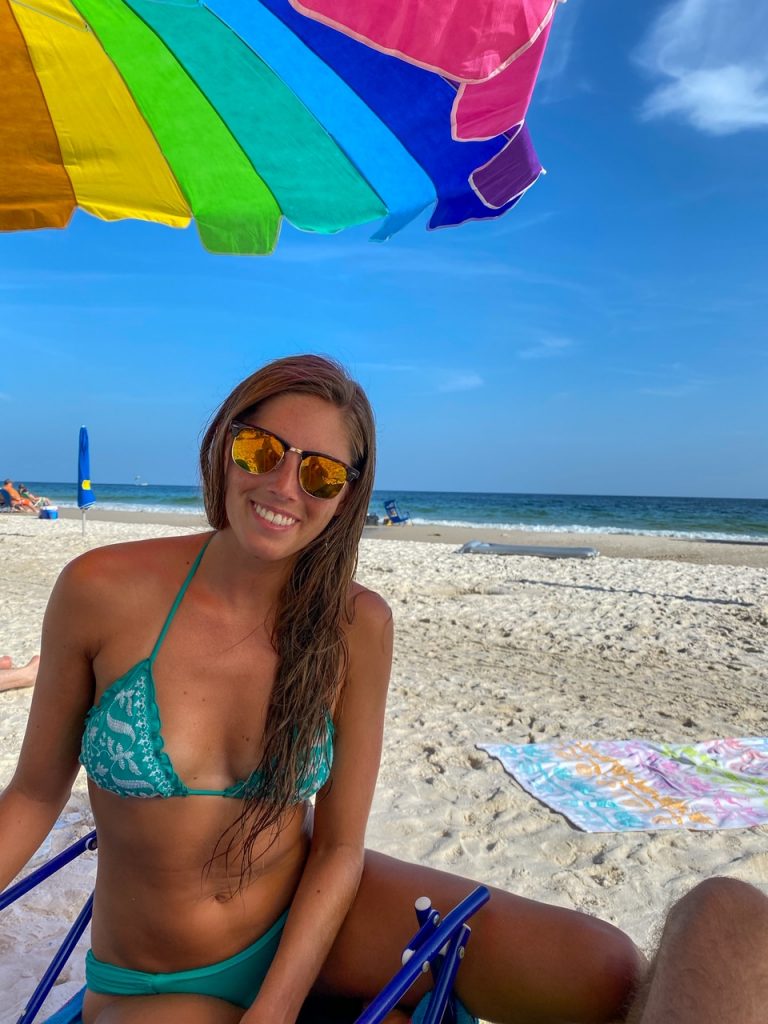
x=132, y=485
x=735, y=519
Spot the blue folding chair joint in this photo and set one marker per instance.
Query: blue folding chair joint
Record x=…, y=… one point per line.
x=438, y=946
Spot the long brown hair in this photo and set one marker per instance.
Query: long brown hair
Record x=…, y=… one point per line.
x=308, y=635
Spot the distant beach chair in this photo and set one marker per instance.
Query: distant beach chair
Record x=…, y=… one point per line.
x=438, y=946
x=6, y=502
x=396, y=517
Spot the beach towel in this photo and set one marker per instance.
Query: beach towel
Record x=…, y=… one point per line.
x=638, y=785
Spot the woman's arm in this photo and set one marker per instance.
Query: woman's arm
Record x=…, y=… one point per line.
x=332, y=872
x=47, y=766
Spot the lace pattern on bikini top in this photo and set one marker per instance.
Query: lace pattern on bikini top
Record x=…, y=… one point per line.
x=122, y=747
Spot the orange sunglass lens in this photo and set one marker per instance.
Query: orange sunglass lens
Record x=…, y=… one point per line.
x=256, y=452
x=321, y=477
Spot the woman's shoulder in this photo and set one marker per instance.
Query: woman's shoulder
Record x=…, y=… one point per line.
x=367, y=609
x=113, y=567
x=369, y=637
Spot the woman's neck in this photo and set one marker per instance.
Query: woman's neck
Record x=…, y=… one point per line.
x=240, y=577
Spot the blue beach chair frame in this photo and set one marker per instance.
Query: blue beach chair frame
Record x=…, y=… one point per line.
x=395, y=516
x=437, y=946
x=6, y=502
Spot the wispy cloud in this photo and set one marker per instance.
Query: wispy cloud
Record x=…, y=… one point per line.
x=553, y=84
x=451, y=380
x=387, y=367
x=512, y=225
x=666, y=380
x=681, y=390
x=432, y=379
x=22, y=280
x=711, y=59
x=546, y=348
x=399, y=260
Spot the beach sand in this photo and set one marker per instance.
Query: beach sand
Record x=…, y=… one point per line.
x=658, y=638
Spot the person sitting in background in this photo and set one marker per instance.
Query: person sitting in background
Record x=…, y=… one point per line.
x=12, y=678
x=38, y=500
x=16, y=499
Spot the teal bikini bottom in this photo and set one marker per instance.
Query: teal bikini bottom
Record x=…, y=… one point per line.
x=236, y=979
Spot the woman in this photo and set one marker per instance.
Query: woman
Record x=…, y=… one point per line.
x=36, y=500
x=210, y=685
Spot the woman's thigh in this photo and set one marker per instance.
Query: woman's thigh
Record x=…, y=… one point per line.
x=525, y=960
x=160, y=1009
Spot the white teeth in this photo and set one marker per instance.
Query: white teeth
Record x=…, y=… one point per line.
x=273, y=517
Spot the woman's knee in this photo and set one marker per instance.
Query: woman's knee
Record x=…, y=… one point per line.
x=619, y=965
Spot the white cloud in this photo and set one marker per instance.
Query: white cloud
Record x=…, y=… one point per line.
x=457, y=381
x=546, y=348
x=673, y=390
x=431, y=378
x=553, y=83
x=21, y=280
x=711, y=59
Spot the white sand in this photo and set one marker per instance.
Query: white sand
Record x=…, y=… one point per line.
x=487, y=649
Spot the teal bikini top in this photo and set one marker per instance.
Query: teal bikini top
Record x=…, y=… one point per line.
x=122, y=748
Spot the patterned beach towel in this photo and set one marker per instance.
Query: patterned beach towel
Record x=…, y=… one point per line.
x=637, y=785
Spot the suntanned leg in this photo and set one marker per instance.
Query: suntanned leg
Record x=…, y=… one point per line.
x=16, y=678
x=712, y=964
x=526, y=962
x=184, y=1009
x=165, y=1009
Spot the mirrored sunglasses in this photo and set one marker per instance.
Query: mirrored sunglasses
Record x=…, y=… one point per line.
x=259, y=451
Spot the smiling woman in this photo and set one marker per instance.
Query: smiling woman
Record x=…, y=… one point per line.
x=211, y=686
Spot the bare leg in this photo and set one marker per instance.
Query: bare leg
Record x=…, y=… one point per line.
x=712, y=964
x=16, y=678
x=165, y=1009
x=526, y=962
x=5, y=661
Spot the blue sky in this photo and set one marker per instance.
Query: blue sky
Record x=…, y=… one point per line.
x=606, y=336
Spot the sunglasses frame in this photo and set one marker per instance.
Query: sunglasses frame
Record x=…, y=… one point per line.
x=237, y=425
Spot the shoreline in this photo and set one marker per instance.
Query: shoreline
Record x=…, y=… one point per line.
x=610, y=545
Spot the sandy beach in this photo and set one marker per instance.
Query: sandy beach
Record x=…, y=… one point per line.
x=657, y=638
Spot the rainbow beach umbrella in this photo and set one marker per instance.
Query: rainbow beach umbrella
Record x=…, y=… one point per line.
x=237, y=113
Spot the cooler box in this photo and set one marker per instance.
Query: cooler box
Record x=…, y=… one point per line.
x=49, y=513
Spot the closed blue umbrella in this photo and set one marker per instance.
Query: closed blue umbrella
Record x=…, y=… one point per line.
x=85, y=495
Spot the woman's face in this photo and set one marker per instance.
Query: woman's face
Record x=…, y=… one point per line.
x=270, y=514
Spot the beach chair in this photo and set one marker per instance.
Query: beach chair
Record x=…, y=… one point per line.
x=396, y=517
x=437, y=946
x=6, y=502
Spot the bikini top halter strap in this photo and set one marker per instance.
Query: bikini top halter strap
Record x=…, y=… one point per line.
x=177, y=602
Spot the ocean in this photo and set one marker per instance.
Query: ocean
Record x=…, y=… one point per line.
x=736, y=519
